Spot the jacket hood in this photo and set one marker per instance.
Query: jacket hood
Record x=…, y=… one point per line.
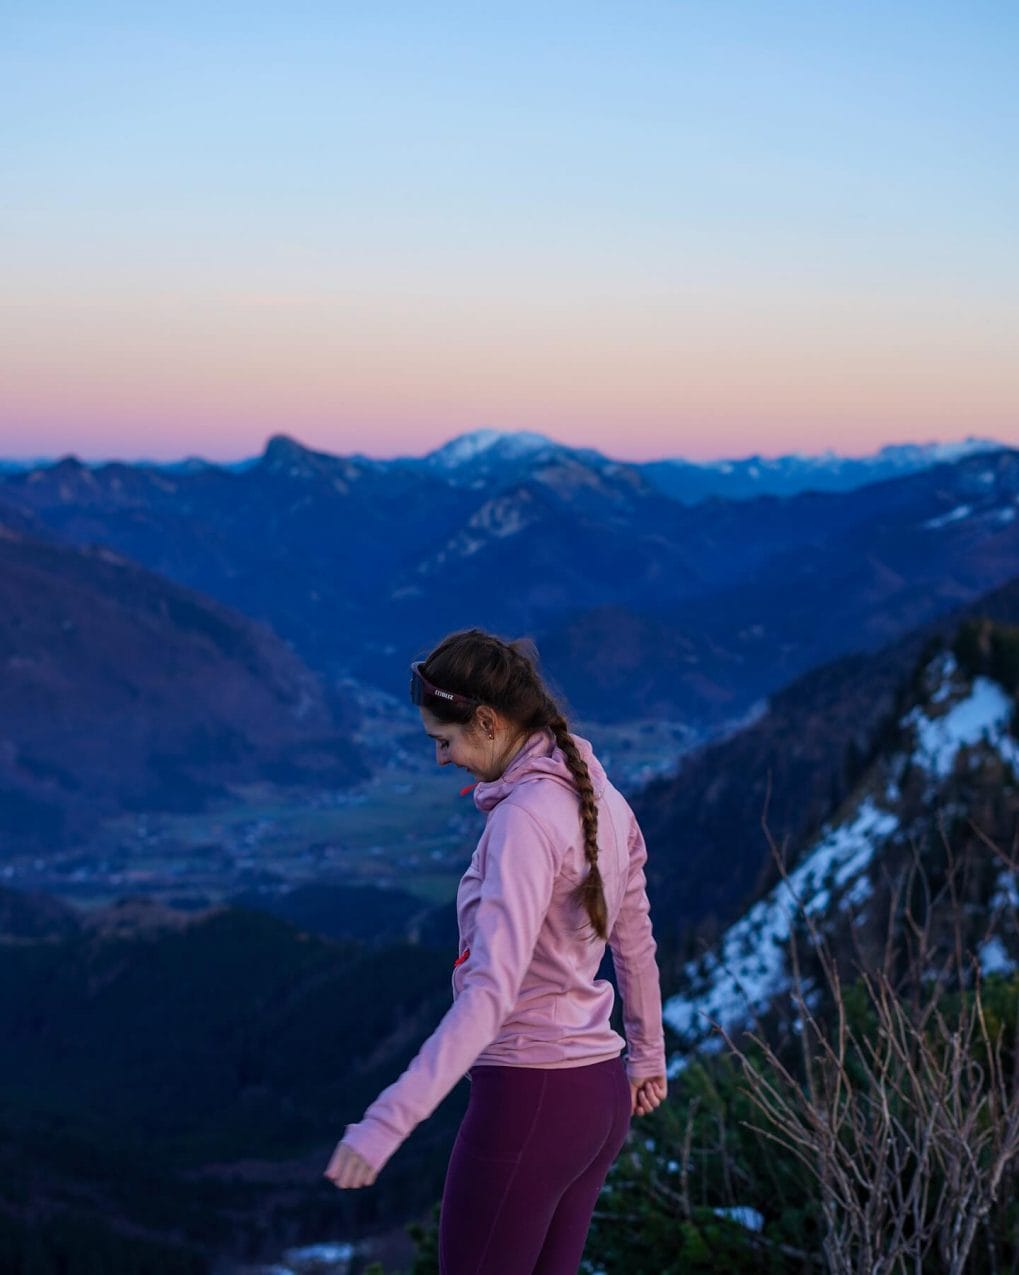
x=540, y=758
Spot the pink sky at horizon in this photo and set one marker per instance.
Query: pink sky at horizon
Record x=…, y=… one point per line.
x=167, y=373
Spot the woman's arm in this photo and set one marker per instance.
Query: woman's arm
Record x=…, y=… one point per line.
x=633, y=955
x=520, y=865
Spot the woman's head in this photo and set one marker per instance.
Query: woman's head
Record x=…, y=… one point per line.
x=472, y=668
x=480, y=697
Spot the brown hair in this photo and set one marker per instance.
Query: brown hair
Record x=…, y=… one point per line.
x=505, y=676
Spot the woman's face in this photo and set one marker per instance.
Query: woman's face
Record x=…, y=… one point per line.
x=469, y=746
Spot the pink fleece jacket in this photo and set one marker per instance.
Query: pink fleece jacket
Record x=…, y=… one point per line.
x=524, y=987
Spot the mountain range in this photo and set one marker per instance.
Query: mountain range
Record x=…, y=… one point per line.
x=641, y=605
x=472, y=459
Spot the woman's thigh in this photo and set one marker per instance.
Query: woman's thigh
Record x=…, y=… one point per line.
x=529, y=1135
x=566, y=1234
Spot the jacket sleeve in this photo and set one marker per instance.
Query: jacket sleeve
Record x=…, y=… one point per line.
x=519, y=870
x=633, y=955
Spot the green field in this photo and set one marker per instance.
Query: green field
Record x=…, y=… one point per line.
x=406, y=825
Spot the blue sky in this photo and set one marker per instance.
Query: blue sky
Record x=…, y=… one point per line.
x=686, y=228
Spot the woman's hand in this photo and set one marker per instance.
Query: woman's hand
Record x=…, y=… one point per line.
x=347, y=1168
x=647, y=1094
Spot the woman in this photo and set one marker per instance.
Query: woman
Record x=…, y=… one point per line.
x=558, y=872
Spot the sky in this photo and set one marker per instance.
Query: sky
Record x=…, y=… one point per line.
x=659, y=229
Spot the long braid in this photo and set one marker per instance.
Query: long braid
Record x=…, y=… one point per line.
x=591, y=892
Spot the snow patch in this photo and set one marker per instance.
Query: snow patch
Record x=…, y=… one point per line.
x=960, y=511
x=983, y=715
x=945, y=671
x=747, y=1217
x=495, y=519
x=466, y=447
x=323, y=1259
x=994, y=959
x=748, y=969
x=502, y=517
x=1006, y=894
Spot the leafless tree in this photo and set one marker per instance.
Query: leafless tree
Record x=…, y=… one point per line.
x=907, y=1113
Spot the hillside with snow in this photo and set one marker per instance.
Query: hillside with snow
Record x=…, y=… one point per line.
x=951, y=762
x=474, y=458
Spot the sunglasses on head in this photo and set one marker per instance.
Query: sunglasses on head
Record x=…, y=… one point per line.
x=421, y=688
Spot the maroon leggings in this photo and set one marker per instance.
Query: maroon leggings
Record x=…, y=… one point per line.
x=533, y=1150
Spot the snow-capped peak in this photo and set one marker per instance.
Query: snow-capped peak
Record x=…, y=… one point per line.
x=466, y=448
x=934, y=453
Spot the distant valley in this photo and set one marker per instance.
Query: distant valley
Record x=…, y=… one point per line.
x=201, y=665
